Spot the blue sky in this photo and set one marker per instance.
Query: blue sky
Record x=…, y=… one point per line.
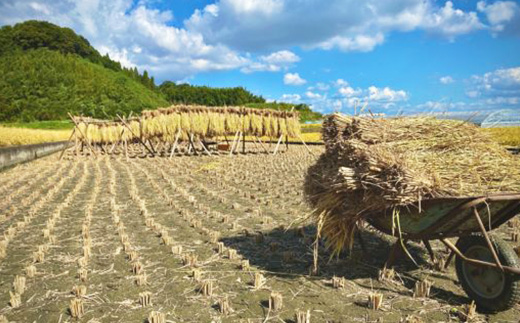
x=407, y=56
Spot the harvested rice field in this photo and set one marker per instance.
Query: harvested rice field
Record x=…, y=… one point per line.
x=200, y=239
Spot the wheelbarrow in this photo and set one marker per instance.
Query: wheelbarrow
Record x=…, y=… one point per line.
x=487, y=267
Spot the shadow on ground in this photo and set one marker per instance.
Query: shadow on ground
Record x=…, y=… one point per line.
x=287, y=252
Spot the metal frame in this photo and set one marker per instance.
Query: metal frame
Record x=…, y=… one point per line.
x=500, y=217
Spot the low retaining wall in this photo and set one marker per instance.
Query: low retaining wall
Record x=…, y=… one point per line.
x=10, y=156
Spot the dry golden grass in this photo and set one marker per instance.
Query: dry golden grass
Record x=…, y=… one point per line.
x=22, y=136
x=509, y=136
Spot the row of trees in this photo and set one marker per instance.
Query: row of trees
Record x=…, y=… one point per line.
x=203, y=95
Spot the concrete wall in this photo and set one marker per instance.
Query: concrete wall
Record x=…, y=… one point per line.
x=10, y=156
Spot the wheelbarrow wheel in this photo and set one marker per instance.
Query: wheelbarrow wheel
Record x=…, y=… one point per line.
x=491, y=289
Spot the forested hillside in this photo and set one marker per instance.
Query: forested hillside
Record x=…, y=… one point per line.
x=45, y=85
x=48, y=71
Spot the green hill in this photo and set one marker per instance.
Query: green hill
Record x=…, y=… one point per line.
x=45, y=85
x=48, y=71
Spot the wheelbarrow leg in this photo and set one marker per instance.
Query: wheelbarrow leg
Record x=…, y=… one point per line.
x=399, y=247
x=450, y=258
x=430, y=250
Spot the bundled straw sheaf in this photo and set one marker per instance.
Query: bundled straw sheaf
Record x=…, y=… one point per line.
x=372, y=165
x=165, y=124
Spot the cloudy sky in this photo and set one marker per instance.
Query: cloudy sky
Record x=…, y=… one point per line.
x=400, y=55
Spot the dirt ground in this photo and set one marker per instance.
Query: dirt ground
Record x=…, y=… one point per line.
x=179, y=227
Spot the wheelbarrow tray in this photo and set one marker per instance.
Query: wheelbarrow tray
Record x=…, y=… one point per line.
x=447, y=217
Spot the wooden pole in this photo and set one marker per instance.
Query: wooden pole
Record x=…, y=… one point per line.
x=75, y=146
x=244, y=142
x=138, y=138
x=262, y=144
x=175, y=143
x=82, y=134
x=254, y=143
x=286, y=136
x=238, y=141
x=126, y=149
x=113, y=147
x=160, y=146
x=277, y=145
x=303, y=142
x=204, y=146
x=151, y=145
x=192, y=144
x=233, y=145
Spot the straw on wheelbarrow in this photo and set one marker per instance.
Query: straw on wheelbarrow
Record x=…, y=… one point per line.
x=370, y=165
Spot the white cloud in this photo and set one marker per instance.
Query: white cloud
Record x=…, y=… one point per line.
x=358, y=43
x=386, y=94
x=446, y=79
x=346, y=98
x=293, y=79
x=475, y=111
x=118, y=55
x=313, y=95
x=347, y=25
x=40, y=7
x=501, y=14
x=337, y=105
x=263, y=7
x=320, y=86
x=451, y=22
x=291, y=98
x=273, y=62
x=349, y=92
x=280, y=57
x=495, y=90
x=472, y=94
x=340, y=83
x=228, y=34
x=501, y=82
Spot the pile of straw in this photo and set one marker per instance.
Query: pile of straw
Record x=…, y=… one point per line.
x=372, y=165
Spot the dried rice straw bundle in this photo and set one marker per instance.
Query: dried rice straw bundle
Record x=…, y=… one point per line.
x=282, y=125
x=371, y=166
x=185, y=122
x=233, y=122
x=274, y=125
x=198, y=122
x=82, y=130
x=246, y=121
x=293, y=125
x=256, y=123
